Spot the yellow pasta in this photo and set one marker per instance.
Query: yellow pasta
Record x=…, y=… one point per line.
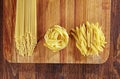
x=56, y=38
x=90, y=39
x=26, y=27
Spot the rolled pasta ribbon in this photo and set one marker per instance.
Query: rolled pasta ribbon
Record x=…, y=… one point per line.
x=90, y=39
x=56, y=38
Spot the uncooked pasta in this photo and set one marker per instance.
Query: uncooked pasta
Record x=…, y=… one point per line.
x=56, y=38
x=26, y=27
x=90, y=40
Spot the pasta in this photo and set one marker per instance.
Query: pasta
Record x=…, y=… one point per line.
x=56, y=38
x=26, y=27
x=90, y=39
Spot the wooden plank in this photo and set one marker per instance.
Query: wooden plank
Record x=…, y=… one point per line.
x=68, y=14
x=27, y=71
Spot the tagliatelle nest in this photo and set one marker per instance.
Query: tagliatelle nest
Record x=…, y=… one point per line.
x=56, y=38
x=90, y=39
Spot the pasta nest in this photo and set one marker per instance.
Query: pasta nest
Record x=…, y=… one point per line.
x=90, y=39
x=56, y=38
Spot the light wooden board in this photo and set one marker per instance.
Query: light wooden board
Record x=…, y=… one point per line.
x=68, y=14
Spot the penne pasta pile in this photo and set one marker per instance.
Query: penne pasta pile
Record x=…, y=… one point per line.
x=26, y=27
x=90, y=39
x=56, y=38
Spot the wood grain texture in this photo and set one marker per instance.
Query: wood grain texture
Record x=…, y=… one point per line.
x=108, y=70
x=68, y=14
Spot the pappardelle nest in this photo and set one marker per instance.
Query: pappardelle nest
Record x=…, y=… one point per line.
x=56, y=38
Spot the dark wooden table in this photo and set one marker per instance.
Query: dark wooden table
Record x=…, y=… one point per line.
x=108, y=70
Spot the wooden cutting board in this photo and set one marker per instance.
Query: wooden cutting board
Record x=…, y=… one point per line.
x=68, y=14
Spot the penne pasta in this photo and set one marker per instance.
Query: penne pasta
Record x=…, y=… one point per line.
x=90, y=39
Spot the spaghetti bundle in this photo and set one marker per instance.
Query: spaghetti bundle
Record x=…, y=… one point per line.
x=90, y=39
x=56, y=38
x=26, y=27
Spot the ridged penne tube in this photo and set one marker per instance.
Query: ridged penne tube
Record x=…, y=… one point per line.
x=26, y=27
x=90, y=39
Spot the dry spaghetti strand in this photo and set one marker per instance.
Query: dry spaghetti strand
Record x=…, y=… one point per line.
x=26, y=27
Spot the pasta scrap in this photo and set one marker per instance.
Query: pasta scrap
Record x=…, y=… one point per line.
x=56, y=38
x=90, y=39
